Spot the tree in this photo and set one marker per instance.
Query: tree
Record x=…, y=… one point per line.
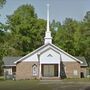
x=4, y=37
x=86, y=35
x=87, y=16
x=64, y=36
x=54, y=28
x=2, y=2
x=26, y=30
x=26, y=33
x=74, y=37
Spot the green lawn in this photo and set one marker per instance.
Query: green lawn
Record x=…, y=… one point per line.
x=45, y=84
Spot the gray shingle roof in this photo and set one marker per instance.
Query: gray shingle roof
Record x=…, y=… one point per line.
x=9, y=61
x=83, y=60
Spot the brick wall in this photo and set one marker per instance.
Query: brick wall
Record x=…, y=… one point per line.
x=24, y=70
x=83, y=69
x=72, y=69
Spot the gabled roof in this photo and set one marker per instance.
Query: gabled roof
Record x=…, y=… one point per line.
x=53, y=46
x=83, y=60
x=9, y=61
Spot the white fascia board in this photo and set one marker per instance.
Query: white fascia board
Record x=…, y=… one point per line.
x=52, y=45
x=9, y=65
x=67, y=53
x=30, y=54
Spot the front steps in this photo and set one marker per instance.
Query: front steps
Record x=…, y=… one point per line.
x=50, y=78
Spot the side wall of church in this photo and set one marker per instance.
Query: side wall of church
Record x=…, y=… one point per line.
x=72, y=69
x=83, y=71
x=24, y=70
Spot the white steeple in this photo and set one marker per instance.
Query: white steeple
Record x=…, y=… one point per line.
x=48, y=38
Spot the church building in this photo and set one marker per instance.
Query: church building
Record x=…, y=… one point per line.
x=49, y=61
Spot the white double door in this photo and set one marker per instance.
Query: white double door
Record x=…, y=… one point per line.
x=48, y=70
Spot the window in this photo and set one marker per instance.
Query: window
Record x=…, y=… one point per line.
x=34, y=70
x=75, y=72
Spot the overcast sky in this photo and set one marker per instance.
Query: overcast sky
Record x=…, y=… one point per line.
x=59, y=9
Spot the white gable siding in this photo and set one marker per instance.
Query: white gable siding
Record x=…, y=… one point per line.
x=66, y=58
x=32, y=58
x=46, y=51
x=49, y=57
x=45, y=48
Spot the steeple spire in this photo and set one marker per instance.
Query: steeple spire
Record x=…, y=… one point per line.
x=47, y=17
x=48, y=38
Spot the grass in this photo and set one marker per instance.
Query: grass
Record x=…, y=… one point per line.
x=77, y=79
x=1, y=78
x=68, y=84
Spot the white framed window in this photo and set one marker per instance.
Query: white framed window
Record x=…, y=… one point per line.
x=8, y=71
x=75, y=72
x=34, y=70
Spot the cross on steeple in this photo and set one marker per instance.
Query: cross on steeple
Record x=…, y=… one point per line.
x=48, y=38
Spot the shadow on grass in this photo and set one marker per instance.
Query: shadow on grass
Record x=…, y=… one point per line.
x=87, y=88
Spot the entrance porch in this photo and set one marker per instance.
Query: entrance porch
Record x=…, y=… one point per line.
x=50, y=71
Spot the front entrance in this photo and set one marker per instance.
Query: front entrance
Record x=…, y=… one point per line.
x=50, y=70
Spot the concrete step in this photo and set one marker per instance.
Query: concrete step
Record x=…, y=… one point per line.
x=50, y=78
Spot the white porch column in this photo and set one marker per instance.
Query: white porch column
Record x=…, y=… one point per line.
x=11, y=71
x=59, y=67
x=40, y=75
x=59, y=70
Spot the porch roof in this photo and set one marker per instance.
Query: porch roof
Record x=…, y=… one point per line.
x=9, y=61
x=83, y=60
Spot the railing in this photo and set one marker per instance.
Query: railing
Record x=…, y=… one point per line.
x=10, y=76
